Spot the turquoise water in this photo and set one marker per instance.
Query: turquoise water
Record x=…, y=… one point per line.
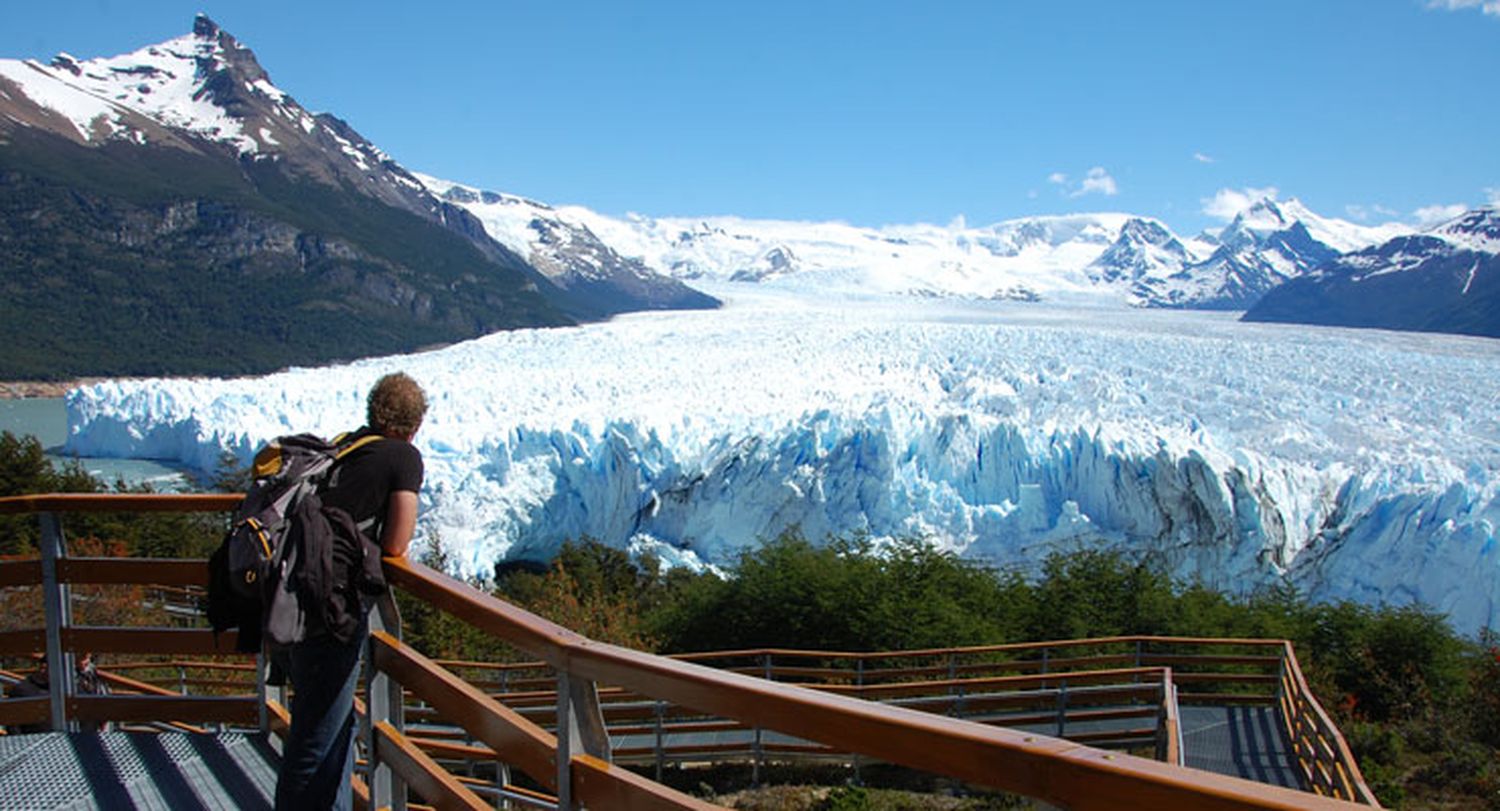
x=46, y=418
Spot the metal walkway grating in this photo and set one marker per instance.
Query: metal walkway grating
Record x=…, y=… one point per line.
x=1242, y=741
x=137, y=770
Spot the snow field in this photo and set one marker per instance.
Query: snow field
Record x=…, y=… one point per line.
x=1349, y=463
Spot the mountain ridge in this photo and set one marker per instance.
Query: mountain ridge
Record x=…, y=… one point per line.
x=1446, y=279
x=180, y=170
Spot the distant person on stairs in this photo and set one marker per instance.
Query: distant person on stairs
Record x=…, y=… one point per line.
x=378, y=481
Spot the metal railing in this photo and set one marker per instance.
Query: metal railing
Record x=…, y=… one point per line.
x=572, y=759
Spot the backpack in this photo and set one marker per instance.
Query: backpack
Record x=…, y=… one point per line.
x=277, y=559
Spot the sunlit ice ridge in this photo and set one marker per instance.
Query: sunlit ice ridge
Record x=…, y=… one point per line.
x=1348, y=463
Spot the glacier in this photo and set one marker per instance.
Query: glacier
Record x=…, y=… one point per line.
x=1348, y=463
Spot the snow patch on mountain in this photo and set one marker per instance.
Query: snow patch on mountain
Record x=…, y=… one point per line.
x=1098, y=259
x=1477, y=230
x=1347, y=463
x=163, y=81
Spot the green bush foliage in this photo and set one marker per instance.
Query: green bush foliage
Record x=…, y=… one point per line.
x=25, y=469
x=1418, y=702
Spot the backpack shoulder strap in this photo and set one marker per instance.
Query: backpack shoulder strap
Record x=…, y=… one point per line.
x=346, y=449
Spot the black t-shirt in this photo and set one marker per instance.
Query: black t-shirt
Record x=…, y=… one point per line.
x=362, y=481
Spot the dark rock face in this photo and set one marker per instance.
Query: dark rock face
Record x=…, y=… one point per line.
x=1141, y=246
x=600, y=280
x=146, y=247
x=128, y=267
x=1443, y=281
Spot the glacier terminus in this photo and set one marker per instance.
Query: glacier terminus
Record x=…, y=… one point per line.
x=1353, y=464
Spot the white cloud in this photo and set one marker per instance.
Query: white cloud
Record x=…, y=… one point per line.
x=1202, y=158
x=1364, y=213
x=1432, y=215
x=1229, y=202
x=958, y=223
x=1490, y=7
x=1492, y=195
x=1097, y=181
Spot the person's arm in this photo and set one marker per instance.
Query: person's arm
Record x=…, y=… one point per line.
x=400, y=521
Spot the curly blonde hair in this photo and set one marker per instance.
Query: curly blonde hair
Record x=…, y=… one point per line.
x=396, y=404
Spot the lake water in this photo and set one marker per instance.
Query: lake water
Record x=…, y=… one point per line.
x=46, y=418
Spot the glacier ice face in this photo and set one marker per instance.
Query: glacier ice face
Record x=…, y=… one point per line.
x=1352, y=464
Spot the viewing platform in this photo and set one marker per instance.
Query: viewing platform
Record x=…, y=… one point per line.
x=1114, y=723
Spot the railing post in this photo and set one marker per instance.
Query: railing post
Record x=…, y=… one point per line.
x=58, y=606
x=757, y=750
x=580, y=727
x=661, y=754
x=1062, y=707
x=758, y=753
x=383, y=703
x=265, y=667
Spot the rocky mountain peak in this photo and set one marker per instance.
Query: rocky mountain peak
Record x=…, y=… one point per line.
x=1477, y=230
x=204, y=27
x=1146, y=231
x=67, y=62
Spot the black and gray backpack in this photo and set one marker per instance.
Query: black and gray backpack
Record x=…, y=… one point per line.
x=275, y=566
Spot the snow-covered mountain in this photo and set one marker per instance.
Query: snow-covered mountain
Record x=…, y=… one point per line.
x=1102, y=258
x=1351, y=464
x=202, y=92
x=1444, y=280
x=181, y=175
x=568, y=253
x=1262, y=247
x=206, y=91
x=1029, y=259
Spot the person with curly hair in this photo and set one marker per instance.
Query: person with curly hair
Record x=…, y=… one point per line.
x=377, y=484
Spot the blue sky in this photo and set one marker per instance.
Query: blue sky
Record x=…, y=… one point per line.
x=883, y=112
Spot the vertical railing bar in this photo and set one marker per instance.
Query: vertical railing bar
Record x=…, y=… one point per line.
x=564, y=741
x=661, y=712
x=1062, y=707
x=262, y=693
x=58, y=606
x=757, y=752
x=383, y=703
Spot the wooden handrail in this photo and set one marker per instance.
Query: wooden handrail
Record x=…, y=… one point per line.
x=239, y=710
x=119, y=502
x=20, y=573
x=28, y=710
x=1325, y=732
x=134, y=571
x=1038, y=766
x=499, y=727
x=422, y=773
x=1057, y=771
x=165, y=641
x=601, y=785
x=972, y=650
x=22, y=641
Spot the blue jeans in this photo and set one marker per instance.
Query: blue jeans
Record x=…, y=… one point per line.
x=317, y=761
